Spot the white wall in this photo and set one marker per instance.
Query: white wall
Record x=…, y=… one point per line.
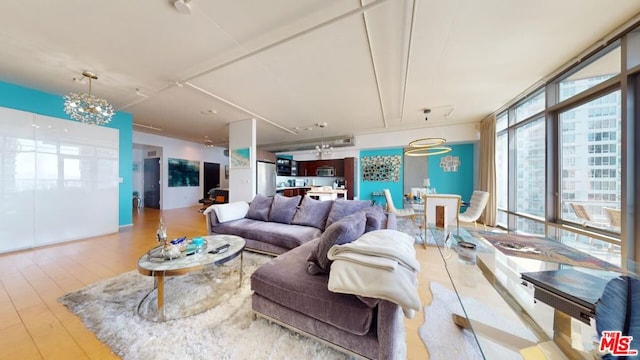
x=138, y=175
x=179, y=197
x=242, y=181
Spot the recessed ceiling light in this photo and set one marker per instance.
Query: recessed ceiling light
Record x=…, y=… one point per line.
x=140, y=93
x=183, y=6
x=209, y=112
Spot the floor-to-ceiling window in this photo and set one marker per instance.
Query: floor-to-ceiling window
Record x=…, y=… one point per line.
x=590, y=162
x=502, y=168
x=530, y=176
x=561, y=153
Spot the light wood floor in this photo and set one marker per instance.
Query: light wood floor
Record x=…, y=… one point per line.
x=33, y=325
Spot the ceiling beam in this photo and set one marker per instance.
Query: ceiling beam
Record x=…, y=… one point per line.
x=408, y=62
x=240, y=108
x=321, y=25
x=375, y=69
x=324, y=24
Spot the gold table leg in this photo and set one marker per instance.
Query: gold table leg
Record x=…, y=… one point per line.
x=562, y=334
x=160, y=285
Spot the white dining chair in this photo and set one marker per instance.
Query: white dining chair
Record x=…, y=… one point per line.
x=477, y=204
x=398, y=212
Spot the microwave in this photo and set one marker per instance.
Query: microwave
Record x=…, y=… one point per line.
x=325, y=171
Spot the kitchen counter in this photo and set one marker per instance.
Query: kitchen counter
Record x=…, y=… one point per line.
x=323, y=193
x=282, y=188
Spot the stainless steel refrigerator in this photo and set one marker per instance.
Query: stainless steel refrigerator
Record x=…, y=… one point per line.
x=266, y=178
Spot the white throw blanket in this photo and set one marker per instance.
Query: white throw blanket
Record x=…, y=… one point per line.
x=380, y=264
x=228, y=212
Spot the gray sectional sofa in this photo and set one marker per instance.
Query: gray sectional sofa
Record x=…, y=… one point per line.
x=292, y=289
x=275, y=225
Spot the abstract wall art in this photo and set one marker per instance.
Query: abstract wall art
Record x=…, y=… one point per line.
x=184, y=172
x=381, y=168
x=240, y=158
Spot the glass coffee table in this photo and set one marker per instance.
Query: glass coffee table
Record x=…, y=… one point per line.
x=159, y=269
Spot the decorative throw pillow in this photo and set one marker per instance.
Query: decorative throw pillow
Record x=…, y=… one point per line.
x=283, y=208
x=259, y=208
x=375, y=218
x=312, y=212
x=340, y=232
x=342, y=208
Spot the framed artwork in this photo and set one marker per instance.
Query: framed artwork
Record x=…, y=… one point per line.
x=184, y=172
x=381, y=168
x=450, y=163
x=240, y=158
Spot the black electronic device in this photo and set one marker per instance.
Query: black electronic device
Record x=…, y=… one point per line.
x=220, y=249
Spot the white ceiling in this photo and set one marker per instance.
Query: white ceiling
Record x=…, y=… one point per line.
x=295, y=63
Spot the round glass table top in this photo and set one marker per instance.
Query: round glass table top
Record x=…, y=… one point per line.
x=197, y=261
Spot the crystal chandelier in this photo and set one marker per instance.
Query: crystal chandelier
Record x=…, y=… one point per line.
x=87, y=108
x=208, y=143
x=322, y=149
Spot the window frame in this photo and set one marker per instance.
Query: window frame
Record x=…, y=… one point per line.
x=611, y=236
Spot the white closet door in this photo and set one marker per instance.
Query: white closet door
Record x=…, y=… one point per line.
x=59, y=180
x=17, y=179
x=76, y=180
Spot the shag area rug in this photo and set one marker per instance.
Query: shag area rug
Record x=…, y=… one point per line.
x=448, y=341
x=225, y=331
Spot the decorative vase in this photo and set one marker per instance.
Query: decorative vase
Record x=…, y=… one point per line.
x=161, y=233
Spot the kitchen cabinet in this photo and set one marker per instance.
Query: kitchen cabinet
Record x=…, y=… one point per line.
x=290, y=192
x=349, y=176
x=302, y=168
x=308, y=168
x=338, y=165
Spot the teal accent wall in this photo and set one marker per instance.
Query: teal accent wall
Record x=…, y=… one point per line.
x=460, y=182
x=38, y=102
x=396, y=188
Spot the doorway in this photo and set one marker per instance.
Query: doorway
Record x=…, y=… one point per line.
x=211, y=178
x=152, y=183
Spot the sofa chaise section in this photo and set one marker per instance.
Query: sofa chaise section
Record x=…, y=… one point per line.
x=284, y=292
